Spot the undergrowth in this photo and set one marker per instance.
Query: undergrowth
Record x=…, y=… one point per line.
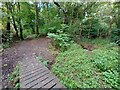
x=13, y=78
x=5, y=45
x=77, y=69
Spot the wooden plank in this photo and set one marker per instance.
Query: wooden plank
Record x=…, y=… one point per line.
x=30, y=72
x=38, y=81
x=44, y=82
x=50, y=85
x=34, y=75
x=37, y=76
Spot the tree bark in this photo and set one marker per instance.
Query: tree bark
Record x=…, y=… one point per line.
x=36, y=18
x=19, y=22
x=110, y=28
x=118, y=23
x=13, y=19
x=6, y=37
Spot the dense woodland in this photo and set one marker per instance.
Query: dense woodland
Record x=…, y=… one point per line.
x=74, y=28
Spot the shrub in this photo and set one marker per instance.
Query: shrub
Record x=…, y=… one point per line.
x=5, y=45
x=61, y=40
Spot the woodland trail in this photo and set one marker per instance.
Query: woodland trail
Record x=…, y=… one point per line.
x=20, y=51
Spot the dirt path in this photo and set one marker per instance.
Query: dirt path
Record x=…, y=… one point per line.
x=25, y=49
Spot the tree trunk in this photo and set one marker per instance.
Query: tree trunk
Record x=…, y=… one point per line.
x=19, y=22
x=7, y=34
x=117, y=16
x=8, y=17
x=36, y=17
x=98, y=32
x=118, y=23
x=13, y=19
x=33, y=29
x=80, y=33
x=110, y=29
x=65, y=21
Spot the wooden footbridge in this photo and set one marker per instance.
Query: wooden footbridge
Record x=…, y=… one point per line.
x=34, y=74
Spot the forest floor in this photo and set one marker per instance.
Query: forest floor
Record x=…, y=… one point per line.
x=20, y=51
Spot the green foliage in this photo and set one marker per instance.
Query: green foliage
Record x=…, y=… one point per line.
x=115, y=37
x=94, y=27
x=54, y=25
x=14, y=77
x=27, y=33
x=77, y=69
x=61, y=40
x=105, y=59
x=112, y=78
x=5, y=45
x=75, y=28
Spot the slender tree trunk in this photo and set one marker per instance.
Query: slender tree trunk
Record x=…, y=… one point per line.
x=48, y=11
x=118, y=24
x=80, y=32
x=36, y=17
x=47, y=17
x=15, y=27
x=65, y=21
x=8, y=17
x=98, y=32
x=33, y=29
x=110, y=29
x=19, y=22
x=13, y=19
x=7, y=36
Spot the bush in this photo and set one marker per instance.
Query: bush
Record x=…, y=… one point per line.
x=27, y=32
x=61, y=40
x=5, y=45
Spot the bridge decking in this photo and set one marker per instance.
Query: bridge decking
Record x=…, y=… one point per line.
x=34, y=74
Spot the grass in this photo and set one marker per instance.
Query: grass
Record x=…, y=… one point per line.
x=77, y=69
x=13, y=78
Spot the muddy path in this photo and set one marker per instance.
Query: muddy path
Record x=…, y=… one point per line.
x=20, y=51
